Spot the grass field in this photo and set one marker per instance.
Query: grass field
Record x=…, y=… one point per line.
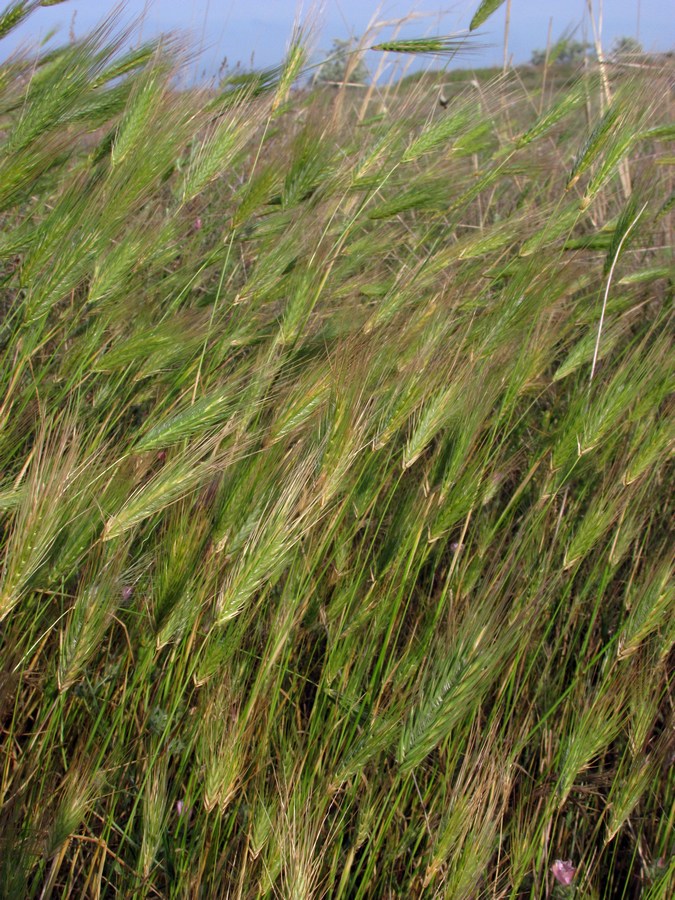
x=335, y=483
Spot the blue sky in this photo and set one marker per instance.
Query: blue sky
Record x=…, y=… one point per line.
x=236, y=29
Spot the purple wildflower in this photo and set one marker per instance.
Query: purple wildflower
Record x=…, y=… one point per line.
x=563, y=871
x=183, y=811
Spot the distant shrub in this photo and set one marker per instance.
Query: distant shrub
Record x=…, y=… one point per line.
x=626, y=47
x=343, y=64
x=565, y=50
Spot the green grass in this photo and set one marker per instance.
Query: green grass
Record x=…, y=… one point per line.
x=335, y=454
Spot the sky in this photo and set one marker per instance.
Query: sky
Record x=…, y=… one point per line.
x=258, y=31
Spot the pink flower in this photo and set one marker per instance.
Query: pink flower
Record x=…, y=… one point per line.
x=563, y=871
x=197, y=224
x=183, y=811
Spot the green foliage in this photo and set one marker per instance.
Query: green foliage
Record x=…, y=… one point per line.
x=626, y=48
x=326, y=567
x=344, y=63
x=566, y=51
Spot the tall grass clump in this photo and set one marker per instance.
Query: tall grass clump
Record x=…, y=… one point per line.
x=335, y=453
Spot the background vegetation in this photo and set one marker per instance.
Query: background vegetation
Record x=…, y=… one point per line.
x=343, y=64
x=334, y=507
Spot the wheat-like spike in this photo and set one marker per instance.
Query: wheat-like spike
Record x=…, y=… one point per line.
x=484, y=11
x=154, y=819
x=589, y=736
x=203, y=415
x=650, y=609
x=434, y=46
x=176, y=480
